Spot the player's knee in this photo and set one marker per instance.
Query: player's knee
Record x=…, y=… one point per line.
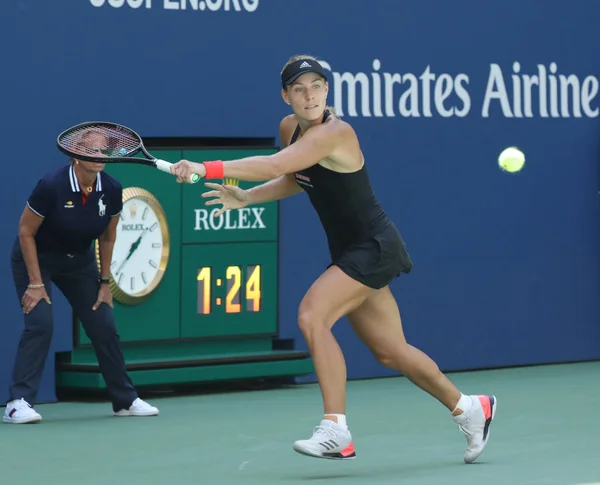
x=386, y=360
x=392, y=357
x=304, y=320
x=309, y=321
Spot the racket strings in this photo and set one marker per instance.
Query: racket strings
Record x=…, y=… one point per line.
x=100, y=141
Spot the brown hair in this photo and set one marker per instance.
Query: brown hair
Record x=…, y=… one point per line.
x=307, y=57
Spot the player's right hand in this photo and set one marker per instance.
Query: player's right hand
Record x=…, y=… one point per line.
x=229, y=196
x=184, y=169
x=32, y=297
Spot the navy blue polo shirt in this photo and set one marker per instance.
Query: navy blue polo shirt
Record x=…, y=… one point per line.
x=69, y=225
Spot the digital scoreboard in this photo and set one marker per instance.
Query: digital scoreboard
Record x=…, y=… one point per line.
x=231, y=289
x=229, y=265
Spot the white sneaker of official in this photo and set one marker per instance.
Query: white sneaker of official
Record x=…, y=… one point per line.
x=329, y=440
x=475, y=425
x=138, y=408
x=20, y=411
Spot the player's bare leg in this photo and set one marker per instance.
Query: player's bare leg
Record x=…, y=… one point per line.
x=331, y=297
x=378, y=324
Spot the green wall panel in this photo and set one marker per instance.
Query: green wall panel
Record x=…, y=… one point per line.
x=254, y=223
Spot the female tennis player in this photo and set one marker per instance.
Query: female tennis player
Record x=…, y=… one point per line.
x=322, y=156
x=66, y=211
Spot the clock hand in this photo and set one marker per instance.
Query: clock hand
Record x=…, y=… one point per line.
x=132, y=249
x=137, y=243
x=123, y=264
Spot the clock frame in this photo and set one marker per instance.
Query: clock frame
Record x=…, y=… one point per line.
x=128, y=298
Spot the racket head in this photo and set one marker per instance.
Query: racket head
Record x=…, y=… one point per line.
x=99, y=141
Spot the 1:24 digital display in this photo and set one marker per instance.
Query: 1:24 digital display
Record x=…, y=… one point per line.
x=229, y=289
x=242, y=285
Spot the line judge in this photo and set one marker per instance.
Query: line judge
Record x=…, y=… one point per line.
x=67, y=211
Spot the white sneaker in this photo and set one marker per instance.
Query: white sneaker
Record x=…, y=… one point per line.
x=476, y=425
x=20, y=411
x=138, y=408
x=329, y=440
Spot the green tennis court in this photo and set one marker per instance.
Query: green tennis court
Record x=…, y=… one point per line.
x=546, y=432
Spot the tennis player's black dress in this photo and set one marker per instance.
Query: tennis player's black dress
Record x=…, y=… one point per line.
x=363, y=241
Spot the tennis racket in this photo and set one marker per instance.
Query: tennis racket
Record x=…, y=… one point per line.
x=104, y=142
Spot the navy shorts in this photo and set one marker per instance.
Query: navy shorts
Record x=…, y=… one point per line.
x=377, y=260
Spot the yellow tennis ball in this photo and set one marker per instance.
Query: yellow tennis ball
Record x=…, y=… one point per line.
x=512, y=160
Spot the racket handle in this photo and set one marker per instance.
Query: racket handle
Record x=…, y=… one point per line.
x=166, y=167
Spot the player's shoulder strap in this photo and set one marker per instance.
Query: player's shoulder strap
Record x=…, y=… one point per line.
x=296, y=134
x=326, y=114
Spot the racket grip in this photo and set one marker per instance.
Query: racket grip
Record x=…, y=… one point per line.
x=166, y=167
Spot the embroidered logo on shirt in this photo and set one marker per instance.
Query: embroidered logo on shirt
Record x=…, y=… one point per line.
x=101, y=207
x=69, y=204
x=303, y=179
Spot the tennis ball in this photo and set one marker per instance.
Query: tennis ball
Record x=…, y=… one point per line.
x=511, y=160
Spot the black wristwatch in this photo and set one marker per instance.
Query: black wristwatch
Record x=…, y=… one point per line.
x=104, y=281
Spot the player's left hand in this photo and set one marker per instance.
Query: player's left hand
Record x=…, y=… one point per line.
x=229, y=196
x=104, y=296
x=184, y=169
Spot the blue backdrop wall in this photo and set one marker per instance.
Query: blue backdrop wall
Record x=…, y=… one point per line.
x=505, y=266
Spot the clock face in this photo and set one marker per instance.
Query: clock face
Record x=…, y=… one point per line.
x=141, y=249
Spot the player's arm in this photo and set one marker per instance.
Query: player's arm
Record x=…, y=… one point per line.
x=280, y=188
x=234, y=198
x=318, y=143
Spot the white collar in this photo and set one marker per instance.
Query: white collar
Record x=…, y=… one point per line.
x=75, y=183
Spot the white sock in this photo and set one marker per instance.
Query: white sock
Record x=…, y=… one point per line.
x=341, y=419
x=464, y=404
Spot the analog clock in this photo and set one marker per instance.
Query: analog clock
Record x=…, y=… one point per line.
x=141, y=250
